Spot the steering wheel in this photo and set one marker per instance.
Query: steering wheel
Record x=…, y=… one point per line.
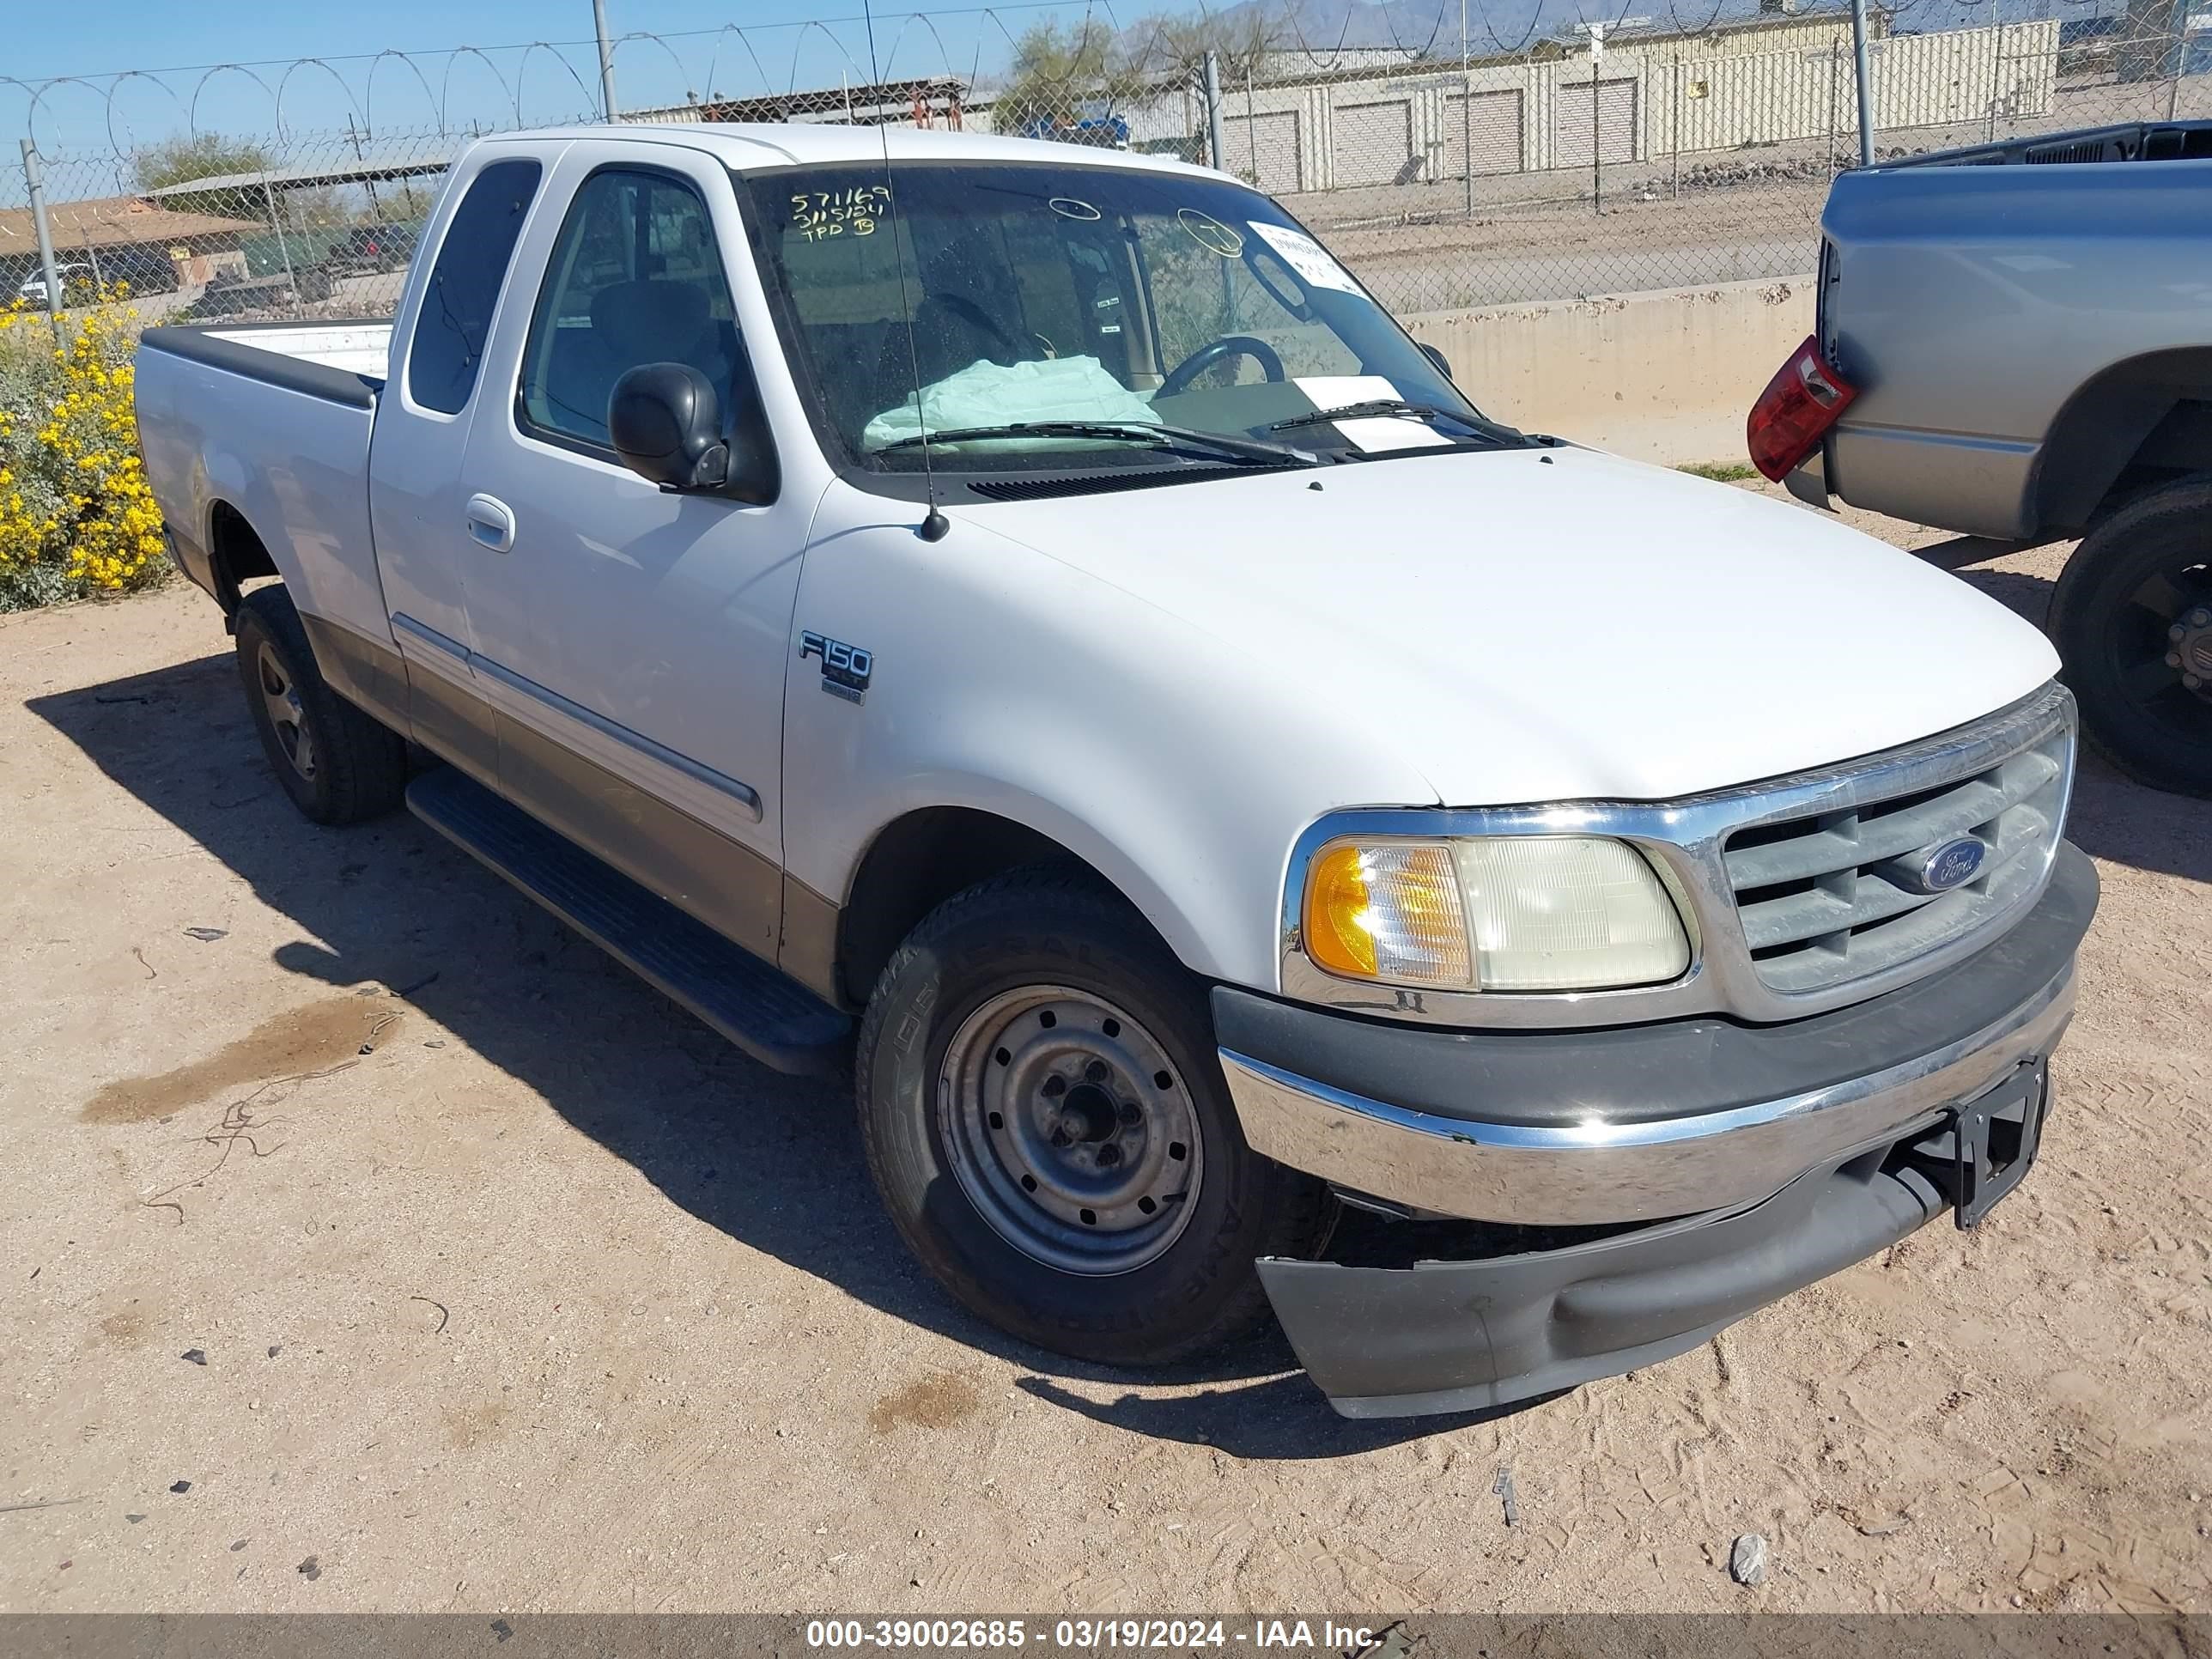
x=976, y=318
x=1230, y=345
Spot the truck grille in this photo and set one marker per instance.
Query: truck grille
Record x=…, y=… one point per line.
x=1828, y=898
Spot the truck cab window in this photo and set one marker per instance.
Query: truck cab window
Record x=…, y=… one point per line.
x=635, y=278
x=465, y=285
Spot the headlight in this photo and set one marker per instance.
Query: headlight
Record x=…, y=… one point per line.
x=1506, y=913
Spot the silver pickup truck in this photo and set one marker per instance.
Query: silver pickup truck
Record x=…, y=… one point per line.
x=2015, y=341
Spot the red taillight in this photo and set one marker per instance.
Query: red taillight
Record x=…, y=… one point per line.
x=1799, y=403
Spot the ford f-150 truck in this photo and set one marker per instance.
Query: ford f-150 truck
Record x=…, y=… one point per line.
x=2015, y=341
x=1021, y=620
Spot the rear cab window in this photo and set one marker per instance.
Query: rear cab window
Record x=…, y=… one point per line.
x=454, y=319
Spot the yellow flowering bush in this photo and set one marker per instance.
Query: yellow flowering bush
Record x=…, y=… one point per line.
x=76, y=518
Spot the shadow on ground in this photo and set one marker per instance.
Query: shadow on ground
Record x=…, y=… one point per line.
x=774, y=1162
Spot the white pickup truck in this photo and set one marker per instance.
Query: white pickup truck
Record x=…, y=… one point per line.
x=1019, y=620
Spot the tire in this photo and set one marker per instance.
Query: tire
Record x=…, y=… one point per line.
x=337, y=764
x=2142, y=573
x=1040, y=976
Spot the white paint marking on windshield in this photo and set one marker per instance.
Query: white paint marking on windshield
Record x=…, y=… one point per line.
x=1209, y=233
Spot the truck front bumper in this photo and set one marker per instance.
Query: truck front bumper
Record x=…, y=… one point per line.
x=1760, y=1158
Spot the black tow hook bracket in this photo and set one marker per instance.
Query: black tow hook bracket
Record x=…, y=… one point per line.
x=1980, y=1154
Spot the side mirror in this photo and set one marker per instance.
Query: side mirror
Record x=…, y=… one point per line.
x=1443, y=362
x=665, y=422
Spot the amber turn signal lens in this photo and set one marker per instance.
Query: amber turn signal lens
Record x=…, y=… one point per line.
x=1337, y=934
x=1390, y=910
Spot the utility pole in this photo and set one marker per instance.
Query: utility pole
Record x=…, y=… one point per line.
x=1252, y=117
x=1217, y=150
x=1996, y=66
x=375, y=213
x=1674, y=112
x=1466, y=110
x=606, y=59
x=1835, y=71
x=1597, y=33
x=34, y=183
x=1597, y=163
x=283, y=248
x=1866, y=83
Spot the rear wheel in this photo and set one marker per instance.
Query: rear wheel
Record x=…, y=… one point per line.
x=338, y=765
x=2132, y=619
x=1045, y=1118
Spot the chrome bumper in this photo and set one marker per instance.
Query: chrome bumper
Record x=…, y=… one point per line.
x=1595, y=1171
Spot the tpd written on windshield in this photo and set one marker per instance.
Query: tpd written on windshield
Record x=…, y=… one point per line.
x=816, y=215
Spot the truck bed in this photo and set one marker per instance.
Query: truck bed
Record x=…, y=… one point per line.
x=274, y=418
x=2132, y=141
x=357, y=348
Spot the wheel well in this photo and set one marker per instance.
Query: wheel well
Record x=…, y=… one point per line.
x=2139, y=424
x=235, y=555
x=914, y=864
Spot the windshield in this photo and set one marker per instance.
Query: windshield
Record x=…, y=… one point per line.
x=1108, y=300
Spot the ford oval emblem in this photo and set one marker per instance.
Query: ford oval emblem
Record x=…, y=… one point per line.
x=1952, y=864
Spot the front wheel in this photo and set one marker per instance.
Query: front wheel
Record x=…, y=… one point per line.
x=2132, y=619
x=1045, y=1118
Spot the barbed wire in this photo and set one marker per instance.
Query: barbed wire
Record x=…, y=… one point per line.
x=186, y=87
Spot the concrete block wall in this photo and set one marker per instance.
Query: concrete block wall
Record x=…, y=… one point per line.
x=1665, y=376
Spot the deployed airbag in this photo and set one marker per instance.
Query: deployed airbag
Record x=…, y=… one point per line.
x=986, y=393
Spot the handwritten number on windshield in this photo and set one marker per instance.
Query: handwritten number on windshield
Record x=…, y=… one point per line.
x=819, y=214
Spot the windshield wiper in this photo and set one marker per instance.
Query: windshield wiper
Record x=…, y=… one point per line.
x=1383, y=408
x=1183, y=438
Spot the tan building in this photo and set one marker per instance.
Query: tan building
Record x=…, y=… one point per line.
x=126, y=239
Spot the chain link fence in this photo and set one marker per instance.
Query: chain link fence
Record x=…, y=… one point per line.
x=1455, y=163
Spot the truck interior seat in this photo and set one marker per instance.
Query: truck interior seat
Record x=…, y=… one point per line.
x=649, y=320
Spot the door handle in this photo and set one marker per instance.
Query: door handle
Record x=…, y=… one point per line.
x=491, y=523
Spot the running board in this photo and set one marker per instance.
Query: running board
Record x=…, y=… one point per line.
x=772, y=1017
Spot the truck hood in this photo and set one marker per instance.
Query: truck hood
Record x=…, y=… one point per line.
x=1529, y=625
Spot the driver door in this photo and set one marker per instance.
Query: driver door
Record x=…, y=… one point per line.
x=633, y=642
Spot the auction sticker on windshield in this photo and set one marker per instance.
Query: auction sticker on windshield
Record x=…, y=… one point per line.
x=1315, y=264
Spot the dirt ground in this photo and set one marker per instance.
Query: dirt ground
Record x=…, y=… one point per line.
x=372, y=1241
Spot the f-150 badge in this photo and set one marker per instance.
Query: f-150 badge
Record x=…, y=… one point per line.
x=845, y=668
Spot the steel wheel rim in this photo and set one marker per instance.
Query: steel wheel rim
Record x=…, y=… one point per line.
x=288, y=717
x=1070, y=1129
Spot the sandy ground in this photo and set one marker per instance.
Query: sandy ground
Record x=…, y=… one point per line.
x=517, y=1289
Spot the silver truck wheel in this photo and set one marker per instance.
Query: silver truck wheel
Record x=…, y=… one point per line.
x=1067, y=1127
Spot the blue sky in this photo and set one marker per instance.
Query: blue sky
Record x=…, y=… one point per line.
x=100, y=40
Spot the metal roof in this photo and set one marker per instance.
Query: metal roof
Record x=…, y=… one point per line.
x=431, y=156
x=113, y=221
